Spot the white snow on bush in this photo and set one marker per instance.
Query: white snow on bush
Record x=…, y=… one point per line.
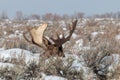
x=51, y=77
x=94, y=34
x=17, y=53
x=118, y=37
x=54, y=78
x=1, y=49
x=74, y=35
x=3, y=65
x=116, y=58
x=79, y=42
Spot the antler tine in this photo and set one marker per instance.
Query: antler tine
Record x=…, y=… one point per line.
x=72, y=29
x=57, y=35
x=54, y=40
x=62, y=40
x=24, y=35
x=63, y=36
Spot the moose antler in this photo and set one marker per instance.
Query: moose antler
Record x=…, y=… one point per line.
x=36, y=35
x=50, y=49
x=59, y=41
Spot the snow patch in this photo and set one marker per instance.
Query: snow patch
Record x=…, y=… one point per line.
x=4, y=65
x=16, y=53
x=51, y=77
x=79, y=42
x=117, y=37
x=74, y=35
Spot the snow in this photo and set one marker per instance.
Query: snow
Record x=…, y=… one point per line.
x=12, y=36
x=78, y=63
x=1, y=49
x=78, y=46
x=118, y=37
x=5, y=32
x=99, y=19
x=94, y=34
x=3, y=65
x=79, y=42
x=54, y=78
x=74, y=35
x=16, y=52
x=51, y=77
x=62, y=23
x=64, y=29
x=116, y=58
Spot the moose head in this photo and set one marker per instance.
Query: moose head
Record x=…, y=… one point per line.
x=51, y=49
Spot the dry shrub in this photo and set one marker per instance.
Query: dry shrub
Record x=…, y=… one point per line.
x=14, y=59
x=57, y=66
x=115, y=75
x=18, y=42
x=98, y=59
x=18, y=61
x=13, y=73
x=20, y=72
x=6, y=74
x=31, y=71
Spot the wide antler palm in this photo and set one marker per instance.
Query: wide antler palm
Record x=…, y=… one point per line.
x=36, y=35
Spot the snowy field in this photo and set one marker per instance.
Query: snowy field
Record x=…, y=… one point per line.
x=86, y=49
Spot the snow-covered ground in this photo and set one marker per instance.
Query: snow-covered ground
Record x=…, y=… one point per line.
x=7, y=55
x=77, y=64
x=17, y=53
